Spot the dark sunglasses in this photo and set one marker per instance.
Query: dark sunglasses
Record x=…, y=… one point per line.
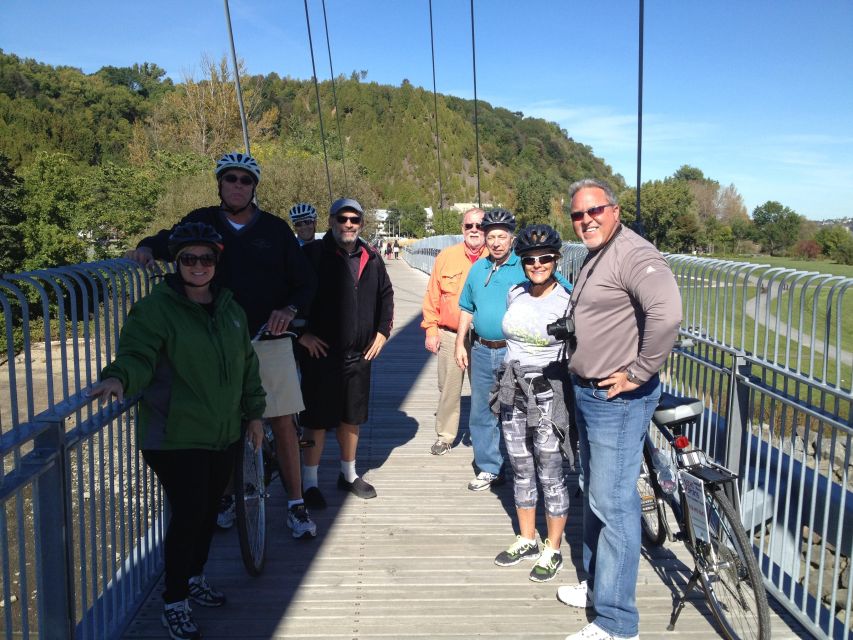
x=190, y=259
x=548, y=258
x=472, y=225
x=303, y=223
x=246, y=180
x=345, y=219
x=592, y=211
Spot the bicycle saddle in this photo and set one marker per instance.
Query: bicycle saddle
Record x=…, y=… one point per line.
x=676, y=410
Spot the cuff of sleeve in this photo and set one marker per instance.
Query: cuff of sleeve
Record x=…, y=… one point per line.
x=432, y=332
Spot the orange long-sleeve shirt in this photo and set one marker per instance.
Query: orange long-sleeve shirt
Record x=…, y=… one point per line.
x=441, y=300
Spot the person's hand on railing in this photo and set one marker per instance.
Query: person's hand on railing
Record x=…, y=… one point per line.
x=142, y=255
x=255, y=433
x=107, y=387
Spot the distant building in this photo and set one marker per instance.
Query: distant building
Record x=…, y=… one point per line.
x=462, y=207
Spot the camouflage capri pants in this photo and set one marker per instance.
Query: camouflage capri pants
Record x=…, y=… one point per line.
x=535, y=451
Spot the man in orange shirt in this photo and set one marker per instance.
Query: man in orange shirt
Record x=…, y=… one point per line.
x=441, y=319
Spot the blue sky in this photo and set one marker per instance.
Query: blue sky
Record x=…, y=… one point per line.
x=757, y=93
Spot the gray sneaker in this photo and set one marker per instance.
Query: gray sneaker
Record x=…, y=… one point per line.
x=484, y=480
x=180, y=624
x=547, y=566
x=518, y=551
x=440, y=448
x=300, y=523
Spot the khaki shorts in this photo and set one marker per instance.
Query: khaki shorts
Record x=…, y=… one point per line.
x=279, y=377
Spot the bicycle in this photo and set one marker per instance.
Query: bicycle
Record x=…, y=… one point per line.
x=709, y=526
x=253, y=472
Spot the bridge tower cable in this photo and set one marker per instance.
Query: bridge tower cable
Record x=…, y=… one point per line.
x=335, y=99
x=242, y=108
x=435, y=111
x=476, y=120
x=319, y=105
x=638, y=222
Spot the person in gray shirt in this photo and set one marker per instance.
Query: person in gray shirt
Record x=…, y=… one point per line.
x=626, y=310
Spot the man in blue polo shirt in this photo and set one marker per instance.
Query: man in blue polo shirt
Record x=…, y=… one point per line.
x=483, y=304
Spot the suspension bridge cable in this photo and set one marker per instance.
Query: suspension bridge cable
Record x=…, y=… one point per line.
x=476, y=120
x=237, y=81
x=319, y=106
x=435, y=111
x=335, y=99
x=638, y=223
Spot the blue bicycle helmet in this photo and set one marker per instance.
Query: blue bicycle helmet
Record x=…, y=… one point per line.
x=302, y=211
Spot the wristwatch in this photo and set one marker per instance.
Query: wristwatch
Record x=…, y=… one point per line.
x=293, y=309
x=633, y=379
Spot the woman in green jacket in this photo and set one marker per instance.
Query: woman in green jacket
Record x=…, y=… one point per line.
x=186, y=347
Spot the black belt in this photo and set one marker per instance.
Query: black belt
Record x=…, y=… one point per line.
x=491, y=344
x=592, y=383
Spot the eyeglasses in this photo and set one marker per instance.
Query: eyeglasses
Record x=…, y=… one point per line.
x=190, y=259
x=303, y=223
x=592, y=211
x=232, y=178
x=548, y=258
x=344, y=219
x=472, y=225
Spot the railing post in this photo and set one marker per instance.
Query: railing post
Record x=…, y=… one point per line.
x=54, y=557
x=737, y=416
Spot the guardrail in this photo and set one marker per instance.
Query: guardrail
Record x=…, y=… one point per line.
x=772, y=361
x=81, y=524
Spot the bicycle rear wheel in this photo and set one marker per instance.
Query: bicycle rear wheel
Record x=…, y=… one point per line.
x=651, y=512
x=729, y=572
x=250, y=498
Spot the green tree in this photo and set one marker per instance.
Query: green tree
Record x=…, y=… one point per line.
x=843, y=253
x=413, y=220
x=446, y=222
x=776, y=226
x=831, y=237
x=533, y=198
x=667, y=211
x=11, y=216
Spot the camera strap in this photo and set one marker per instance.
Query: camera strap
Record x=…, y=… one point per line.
x=596, y=259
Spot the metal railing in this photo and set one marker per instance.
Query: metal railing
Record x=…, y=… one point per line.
x=773, y=365
x=81, y=524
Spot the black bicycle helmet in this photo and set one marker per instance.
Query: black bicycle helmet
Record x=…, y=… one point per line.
x=537, y=236
x=498, y=218
x=194, y=233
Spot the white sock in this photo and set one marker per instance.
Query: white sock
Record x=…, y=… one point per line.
x=309, y=476
x=293, y=503
x=348, y=469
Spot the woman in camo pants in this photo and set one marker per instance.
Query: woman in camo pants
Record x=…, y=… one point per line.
x=532, y=399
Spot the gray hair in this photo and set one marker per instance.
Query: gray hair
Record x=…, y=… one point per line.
x=592, y=183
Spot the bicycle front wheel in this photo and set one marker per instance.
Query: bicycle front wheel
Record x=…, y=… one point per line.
x=250, y=499
x=651, y=512
x=729, y=572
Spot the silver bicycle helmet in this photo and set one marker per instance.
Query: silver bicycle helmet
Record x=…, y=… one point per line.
x=302, y=211
x=237, y=160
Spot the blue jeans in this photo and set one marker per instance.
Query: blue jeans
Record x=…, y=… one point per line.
x=482, y=423
x=611, y=434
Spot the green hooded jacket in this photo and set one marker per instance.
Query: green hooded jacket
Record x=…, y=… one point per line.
x=198, y=371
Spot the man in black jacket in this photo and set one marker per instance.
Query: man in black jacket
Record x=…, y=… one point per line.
x=266, y=270
x=347, y=326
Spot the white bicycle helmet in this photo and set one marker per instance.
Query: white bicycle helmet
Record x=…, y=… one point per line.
x=237, y=160
x=302, y=211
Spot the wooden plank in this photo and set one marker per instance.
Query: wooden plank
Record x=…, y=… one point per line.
x=417, y=561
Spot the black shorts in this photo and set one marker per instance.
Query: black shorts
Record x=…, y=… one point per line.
x=335, y=389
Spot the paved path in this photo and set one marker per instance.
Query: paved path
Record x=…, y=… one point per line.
x=416, y=562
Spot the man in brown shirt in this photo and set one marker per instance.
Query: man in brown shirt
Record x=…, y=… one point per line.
x=626, y=310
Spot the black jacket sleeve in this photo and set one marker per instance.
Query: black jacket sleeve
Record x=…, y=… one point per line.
x=159, y=242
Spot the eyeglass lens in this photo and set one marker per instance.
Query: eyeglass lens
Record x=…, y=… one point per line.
x=190, y=259
x=472, y=225
x=241, y=179
x=303, y=223
x=592, y=211
x=345, y=219
x=546, y=259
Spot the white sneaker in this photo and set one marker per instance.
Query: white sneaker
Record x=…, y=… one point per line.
x=593, y=632
x=575, y=595
x=227, y=512
x=300, y=523
x=484, y=480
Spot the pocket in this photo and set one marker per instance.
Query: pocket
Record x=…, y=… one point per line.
x=450, y=283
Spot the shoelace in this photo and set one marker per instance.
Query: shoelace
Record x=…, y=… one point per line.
x=300, y=514
x=518, y=545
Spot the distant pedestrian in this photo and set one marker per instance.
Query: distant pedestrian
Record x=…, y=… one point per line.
x=388, y=249
x=396, y=249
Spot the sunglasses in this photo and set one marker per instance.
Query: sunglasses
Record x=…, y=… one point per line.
x=472, y=225
x=344, y=219
x=303, y=223
x=190, y=259
x=577, y=216
x=246, y=180
x=548, y=258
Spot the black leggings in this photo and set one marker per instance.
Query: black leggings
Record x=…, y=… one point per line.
x=193, y=480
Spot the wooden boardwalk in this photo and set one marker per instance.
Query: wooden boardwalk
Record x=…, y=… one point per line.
x=417, y=561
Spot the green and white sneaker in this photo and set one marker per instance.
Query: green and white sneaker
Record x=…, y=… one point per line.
x=521, y=549
x=549, y=563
